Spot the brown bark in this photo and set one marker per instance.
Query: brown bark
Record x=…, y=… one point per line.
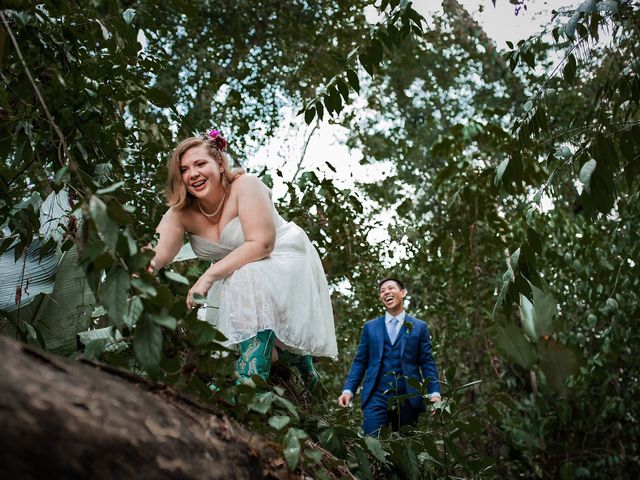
x=66, y=419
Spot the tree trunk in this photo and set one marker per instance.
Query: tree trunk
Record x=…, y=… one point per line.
x=65, y=419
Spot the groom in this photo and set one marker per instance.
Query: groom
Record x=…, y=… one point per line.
x=391, y=347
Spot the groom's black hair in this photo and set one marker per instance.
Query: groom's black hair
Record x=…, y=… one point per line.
x=393, y=279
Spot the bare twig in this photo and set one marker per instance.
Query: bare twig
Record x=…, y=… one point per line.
x=304, y=151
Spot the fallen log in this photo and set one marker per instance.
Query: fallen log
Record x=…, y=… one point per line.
x=61, y=418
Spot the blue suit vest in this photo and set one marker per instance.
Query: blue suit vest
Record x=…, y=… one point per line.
x=391, y=362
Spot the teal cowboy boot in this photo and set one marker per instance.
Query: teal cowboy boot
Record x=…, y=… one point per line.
x=255, y=356
x=304, y=364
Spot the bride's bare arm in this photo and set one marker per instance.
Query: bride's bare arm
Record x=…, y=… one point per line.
x=258, y=228
x=171, y=234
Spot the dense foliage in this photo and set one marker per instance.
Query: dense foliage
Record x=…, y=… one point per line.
x=512, y=189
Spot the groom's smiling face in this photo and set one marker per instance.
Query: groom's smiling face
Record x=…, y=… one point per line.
x=392, y=296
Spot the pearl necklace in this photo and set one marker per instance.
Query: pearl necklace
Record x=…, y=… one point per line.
x=217, y=209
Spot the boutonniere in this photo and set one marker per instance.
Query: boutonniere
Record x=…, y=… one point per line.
x=408, y=326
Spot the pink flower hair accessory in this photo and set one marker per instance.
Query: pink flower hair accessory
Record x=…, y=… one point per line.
x=217, y=140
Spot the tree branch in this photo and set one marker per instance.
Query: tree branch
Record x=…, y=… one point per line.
x=54, y=125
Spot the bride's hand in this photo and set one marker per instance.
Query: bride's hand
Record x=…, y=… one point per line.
x=201, y=287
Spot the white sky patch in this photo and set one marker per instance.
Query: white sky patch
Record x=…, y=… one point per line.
x=285, y=150
x=141, y=38
x=499, y=22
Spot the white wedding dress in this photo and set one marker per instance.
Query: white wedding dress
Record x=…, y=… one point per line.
x=286, y=292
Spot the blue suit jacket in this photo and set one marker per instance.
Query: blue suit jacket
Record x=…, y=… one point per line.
x=417, y=359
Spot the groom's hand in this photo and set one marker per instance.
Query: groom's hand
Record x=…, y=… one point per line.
x=434, y=399
x=345, y=399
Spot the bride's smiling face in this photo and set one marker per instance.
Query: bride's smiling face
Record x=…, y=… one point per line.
x=201, y=174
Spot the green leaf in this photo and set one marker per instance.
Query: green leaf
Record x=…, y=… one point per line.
x=291, y=447
x=67, y=310
x=405, y=458
x=608, y=6
x=527, y=315
x=366, y=63
x=534, y=239
x=514, y=346
x=291, y=408
x=31, y=332
x=202, y=332
x=375, y=51
x=61, y=175
x=118, y=214
x=128, y=15
x=506, y=400
x=545, y=306
x=331, y=440
x=113, y=294
x=537, y=317
x=314, y=455
x=159, y=97
x=147, y=344
x=558, y=362
x=343, y=88
x=279, y=421
x=375, y=447
x=143, y=287
x=24, y=151
x=164, y=320
x=469, y=384
x=105, y=32
x=110, y=188
x=94, y=348
x=352, y=77
x=262, y=403
x=500, y=172
x=569, y=70
x=107, y=228
x=586, y=172
x=363, y=463
x=176, y=277
x=134, y=310
x=319, y=110
x=309, y=115
x=570, y=27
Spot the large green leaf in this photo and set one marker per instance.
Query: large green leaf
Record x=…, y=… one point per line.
x=514, y=345
x=102, y=339
x=537, y=317
x=375, y=447
x=67, y=310
x=113, y=294
x=331, y=440
x=134, y=310
x=558, y=362
x=405, y=458
x=105, y=225
x=279, y=421
x=291, y=446
x=147, y=344
x=586, y=172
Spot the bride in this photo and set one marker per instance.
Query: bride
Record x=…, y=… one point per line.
x=266, y=277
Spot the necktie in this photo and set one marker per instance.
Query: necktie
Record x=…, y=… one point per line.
x=393, y=330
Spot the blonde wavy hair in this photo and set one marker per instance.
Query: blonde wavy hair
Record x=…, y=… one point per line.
x=177, y=195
